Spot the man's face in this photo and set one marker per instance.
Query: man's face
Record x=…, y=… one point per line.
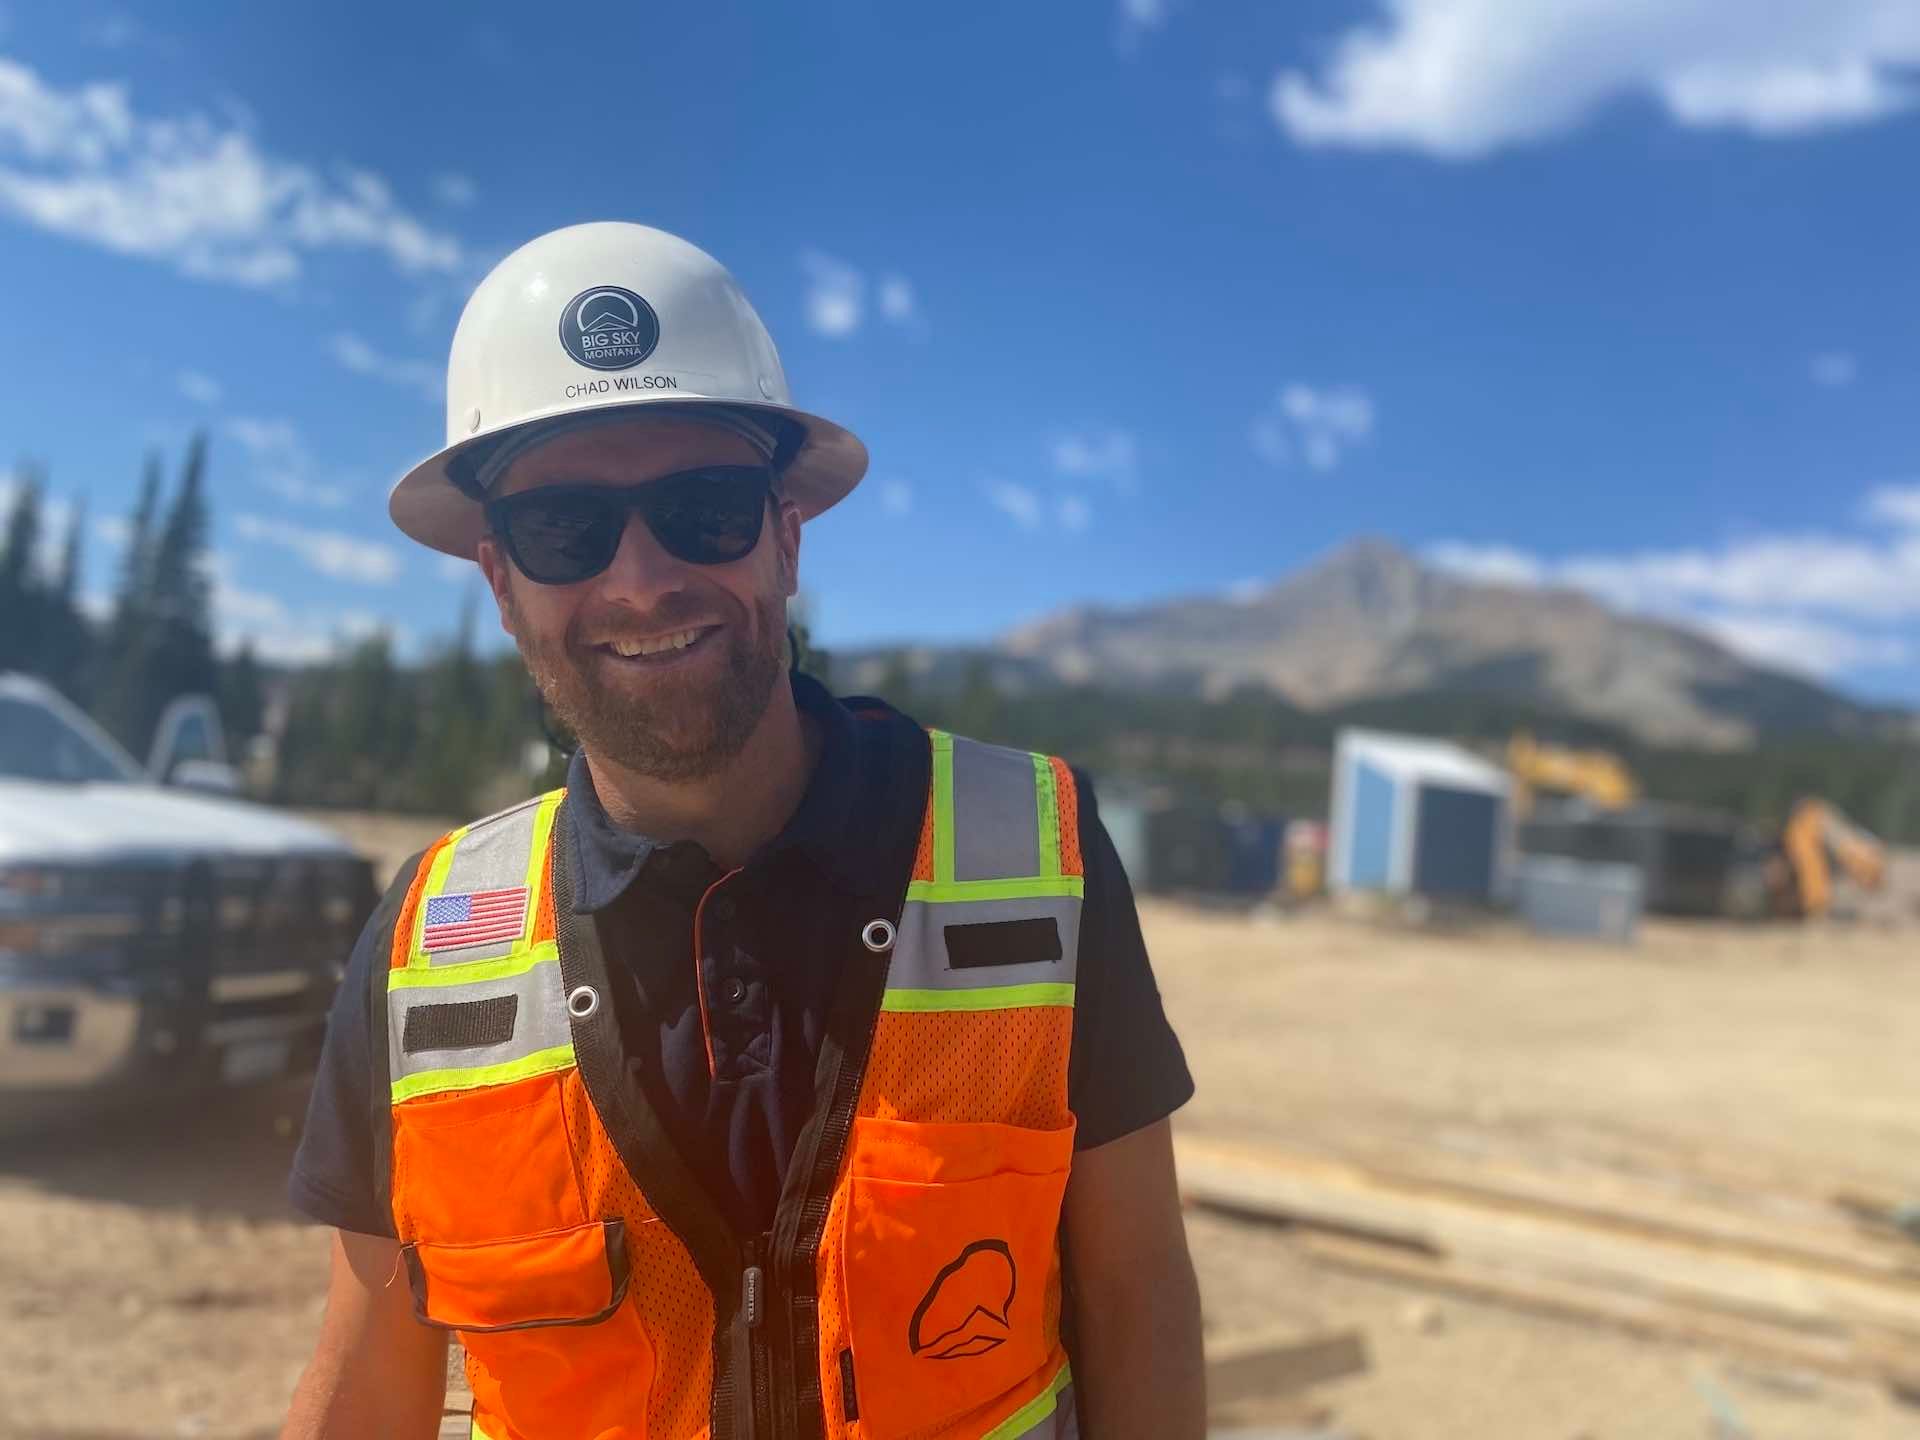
x=681, y=714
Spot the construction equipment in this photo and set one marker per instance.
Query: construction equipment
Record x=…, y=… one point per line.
x=1816, y=838
x=1596, y=776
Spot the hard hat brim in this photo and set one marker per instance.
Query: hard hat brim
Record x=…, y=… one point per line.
x=430, y=508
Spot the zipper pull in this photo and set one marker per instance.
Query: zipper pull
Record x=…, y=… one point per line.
x=752, y=1287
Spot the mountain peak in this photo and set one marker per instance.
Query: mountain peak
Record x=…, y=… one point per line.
x=1368, y=618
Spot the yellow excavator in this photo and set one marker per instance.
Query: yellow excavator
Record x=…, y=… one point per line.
x=1815, y=839
x=1596, y=776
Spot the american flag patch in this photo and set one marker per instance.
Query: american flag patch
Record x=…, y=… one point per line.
x=478, y=917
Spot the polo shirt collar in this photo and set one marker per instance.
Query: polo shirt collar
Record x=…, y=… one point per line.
x=829, y=826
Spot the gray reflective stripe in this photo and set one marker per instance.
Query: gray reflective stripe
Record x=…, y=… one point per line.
x=920, y=947
x=492, y=855
x=996, y=831
x=1064, y=1423
x=541, y=1022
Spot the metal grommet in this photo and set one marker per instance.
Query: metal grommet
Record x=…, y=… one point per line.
x=878, y=936
x=582, y=1001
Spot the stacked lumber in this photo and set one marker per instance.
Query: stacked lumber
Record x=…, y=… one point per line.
x=1792, y=1291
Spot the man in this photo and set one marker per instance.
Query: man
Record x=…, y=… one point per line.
x=795, y=1071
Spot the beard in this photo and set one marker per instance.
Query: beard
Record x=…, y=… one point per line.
x=673, y=727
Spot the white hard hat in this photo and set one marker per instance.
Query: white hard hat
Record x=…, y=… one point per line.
x=610, y=317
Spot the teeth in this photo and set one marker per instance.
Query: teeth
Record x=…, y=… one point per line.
x=630, y=648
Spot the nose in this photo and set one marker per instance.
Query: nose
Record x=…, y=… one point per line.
x=642, y=572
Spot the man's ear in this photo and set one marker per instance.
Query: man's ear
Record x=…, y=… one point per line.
x=787, y=536
x=495, y=566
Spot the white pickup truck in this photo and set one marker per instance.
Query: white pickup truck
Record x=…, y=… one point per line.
x=151, y=936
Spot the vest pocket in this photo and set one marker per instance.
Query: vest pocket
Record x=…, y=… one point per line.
x=558, y=1348
x=952, y=1265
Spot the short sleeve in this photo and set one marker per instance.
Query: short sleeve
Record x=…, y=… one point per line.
x=1128, y=1069
x=334, y=1177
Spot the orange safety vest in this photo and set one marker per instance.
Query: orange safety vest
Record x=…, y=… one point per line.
x=911, y=1284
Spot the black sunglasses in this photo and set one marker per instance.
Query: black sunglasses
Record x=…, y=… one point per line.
x=563, y=534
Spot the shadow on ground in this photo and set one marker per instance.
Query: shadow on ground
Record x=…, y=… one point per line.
x=219, y=1154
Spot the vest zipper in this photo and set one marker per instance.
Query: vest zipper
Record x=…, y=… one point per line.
x=802, y=1216
x=753, y=1305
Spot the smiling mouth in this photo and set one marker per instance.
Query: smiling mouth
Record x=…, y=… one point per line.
x=658, y=649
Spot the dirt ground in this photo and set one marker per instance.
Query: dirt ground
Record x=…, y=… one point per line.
x=152, y=1283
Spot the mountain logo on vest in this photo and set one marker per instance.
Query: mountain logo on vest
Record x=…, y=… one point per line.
x=966, y=1310
x=609, y=328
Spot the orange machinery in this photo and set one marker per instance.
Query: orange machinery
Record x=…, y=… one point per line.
x=1596, y=776
x=1816, y=838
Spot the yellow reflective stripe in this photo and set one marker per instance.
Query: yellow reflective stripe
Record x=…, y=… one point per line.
x=1035, y=1410
x=1047, y=798
x=537, y=859
x=476, y=1432
x=1035, y=887
x=436, y=882
x=428, y=1082
x=505, y=968
x=942, y=806
x=990, y=997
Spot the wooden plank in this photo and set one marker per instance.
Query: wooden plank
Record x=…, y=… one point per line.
x=1262, y=1367
x=1791, y=1291
x=1828, y=1354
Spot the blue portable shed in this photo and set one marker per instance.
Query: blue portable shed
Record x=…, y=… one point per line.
x=1416, y=817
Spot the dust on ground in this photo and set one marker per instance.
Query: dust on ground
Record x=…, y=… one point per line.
x=153, y=1284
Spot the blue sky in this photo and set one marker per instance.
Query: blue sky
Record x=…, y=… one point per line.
x=1127, y=299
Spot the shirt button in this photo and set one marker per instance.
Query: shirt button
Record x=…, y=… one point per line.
x=735, y=990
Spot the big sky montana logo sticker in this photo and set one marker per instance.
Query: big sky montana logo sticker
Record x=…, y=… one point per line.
x=967, y=1309
x=609, y=328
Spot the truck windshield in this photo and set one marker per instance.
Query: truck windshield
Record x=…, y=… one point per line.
x=36, y=744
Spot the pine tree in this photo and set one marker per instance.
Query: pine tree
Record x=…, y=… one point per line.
x=242, y=704
x=161, y=642
x=67, y=656
x=22, y=607
x=121, y=666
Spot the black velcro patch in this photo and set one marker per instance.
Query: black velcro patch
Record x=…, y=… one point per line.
x=1003, y=942
x=462, y=1025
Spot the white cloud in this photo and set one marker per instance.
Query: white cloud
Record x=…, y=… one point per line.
x=361, y=358
x=281, y=464
x=896, y=497
x=1319, y=425
x=1099, y=455
x=1807, y=647
x=194, y=192
x=344, y=557
x=1075, y=513
x=1017, y=502
x=1896, y=505
x=120, y=31
x=1459, y=78
x=836, y=295
x=201, y=389
x=455, y=189
x=897, y=302
x=281, y=636
x=1488, y=564
x=1247, y=591
x=1834, y=370
x=1862, y=578
x=452, y=567
x=1817, y=603
x=1138, y=18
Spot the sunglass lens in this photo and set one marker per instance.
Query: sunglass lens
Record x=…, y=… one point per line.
x=707, y=517
x=560, y=539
